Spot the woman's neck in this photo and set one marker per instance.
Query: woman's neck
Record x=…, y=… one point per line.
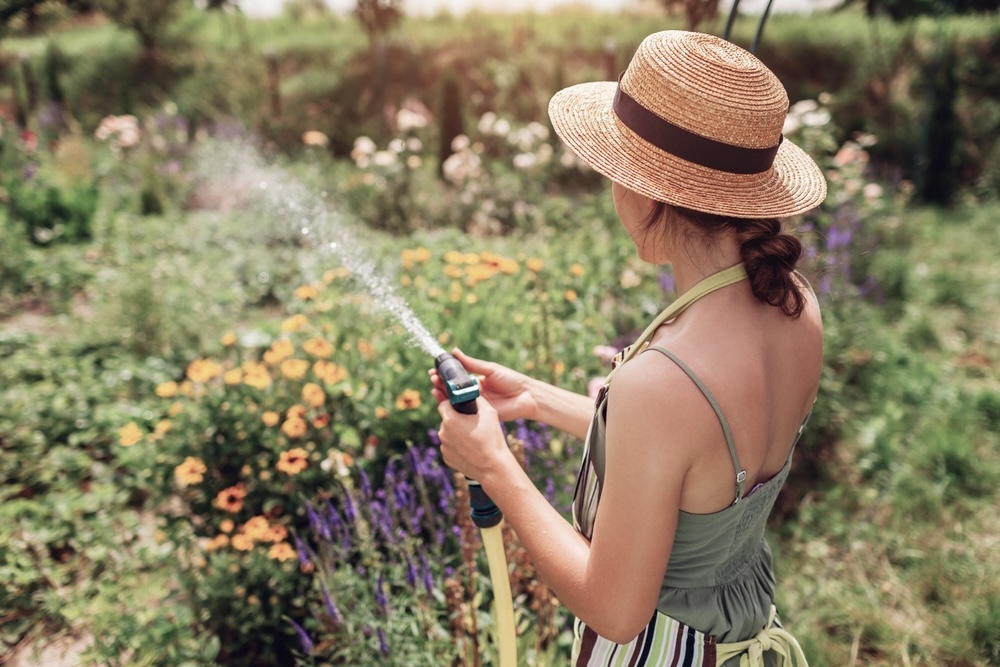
x=696, y=261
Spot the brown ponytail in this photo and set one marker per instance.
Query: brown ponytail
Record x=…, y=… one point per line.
x=769, y=254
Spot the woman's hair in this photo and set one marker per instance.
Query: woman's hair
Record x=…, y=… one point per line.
x=769, y=254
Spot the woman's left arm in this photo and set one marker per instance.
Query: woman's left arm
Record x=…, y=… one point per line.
x=613, y=582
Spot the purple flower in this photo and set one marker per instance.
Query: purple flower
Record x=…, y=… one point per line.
x=366, y=485
x=411, y=573
x=425, y=569
x=349, y=510
x=300, y=547
x=319, y=527
x=307, y=645
x=383, y=643
x=380, y=599
x=331, y=608
x=433, y=435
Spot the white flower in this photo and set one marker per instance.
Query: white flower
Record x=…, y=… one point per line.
x=486, y=122
x=872, y=192
x=407, y=120
x=540, y=131
x=804, y=106
x=315, y=138
x=525, y=160
x=791, y=124
x=414, y=145
x=397, y=146
x=816, y=118
x=383, y=158
x=459, y=143
x=501, y=128
x=363, y=146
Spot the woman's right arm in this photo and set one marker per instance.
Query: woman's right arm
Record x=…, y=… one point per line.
x=517, y=396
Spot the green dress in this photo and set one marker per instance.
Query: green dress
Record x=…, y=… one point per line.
x=719, y=583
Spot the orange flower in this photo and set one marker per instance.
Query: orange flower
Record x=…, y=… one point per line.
x=366, y=349
x=294, y=323
x=321, y=420
x=407, y=258
x=453, y=271
x=281, y=551
x=294, y=369
x=270, y=418
x=130, y=434
x=534, y=264
x=313, y=394
x=294, y=427
x=570, y=295
x=297, y=411
x=576, y=270
x=277, y=533
x=162, y=428
x=175, y=409
x=293, y=461
x=234, y=376
x=421, y=255
x=191, y=471
x=242, y=542
x=333, y=274
x=381, y=412
x=329, y=372
x=408, y=400
x=508, y=266
x=203, y=370
x=166, y=389
x=217, y=542
x=257, y=528
x=226, y=525
x=318, y=347
x=281, y=349
x=231, y=499
x=228, y=339
x=305, y=292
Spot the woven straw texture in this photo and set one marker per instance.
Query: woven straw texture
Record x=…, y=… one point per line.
x=707, y=86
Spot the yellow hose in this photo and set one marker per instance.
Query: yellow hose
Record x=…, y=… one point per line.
x=502, y=601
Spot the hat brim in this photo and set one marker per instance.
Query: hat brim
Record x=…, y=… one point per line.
x=583, y=117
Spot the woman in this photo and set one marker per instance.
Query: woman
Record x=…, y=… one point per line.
x=693, y=433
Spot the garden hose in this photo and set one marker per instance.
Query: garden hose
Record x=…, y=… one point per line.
x=463, y=389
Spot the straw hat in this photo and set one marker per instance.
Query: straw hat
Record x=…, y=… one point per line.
x=694, y=121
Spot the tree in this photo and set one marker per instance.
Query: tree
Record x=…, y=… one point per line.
x=378, y=17
x=148, y=19
x=695, y=11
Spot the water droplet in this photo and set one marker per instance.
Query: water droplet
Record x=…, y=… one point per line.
x=263, y=276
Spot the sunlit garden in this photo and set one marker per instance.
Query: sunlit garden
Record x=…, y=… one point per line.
x=217, y=437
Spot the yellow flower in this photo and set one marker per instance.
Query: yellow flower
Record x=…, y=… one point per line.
x=257, y=528
x=294, y=369
x=478, y=273
x=226, y=525
x=203, y=370
x=242, y=542
x=305, y=293
x=281, y=551
x=407, y=259
x=576, y=270
x=255, y=375
x=294, y=427
x=421, y=255
x=570, y=295
x=270, y=418
x=366, y=349
x=333, y=274
x=130, y=434
x=293, y=461
x=297, y=412
x=508, y=266
x=231, y=499
x=534, y=264
x=217, y=542
x=318, y=347
x=470, y=258
x=277, y=533
x=166, y=389
x=471, y=298
x=191, y=471
x=405, y=281
x=454, y=257
x=313, y=394
x=453, y=271
x=381, y=412
x=233, y=376
x=281, y=349
x=294, y=323
x=408, y=400
x=228, y=339
x=162, y=427
x=175, y=409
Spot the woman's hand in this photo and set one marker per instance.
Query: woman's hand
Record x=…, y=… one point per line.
x=508, y=391
x=474, y=445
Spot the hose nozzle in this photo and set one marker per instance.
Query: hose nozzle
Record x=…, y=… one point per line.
x=462, y=388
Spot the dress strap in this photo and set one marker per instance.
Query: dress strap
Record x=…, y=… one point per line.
x=741, y=474
x=724, y=278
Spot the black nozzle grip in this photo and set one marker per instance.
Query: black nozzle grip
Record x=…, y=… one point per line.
x=485, y=512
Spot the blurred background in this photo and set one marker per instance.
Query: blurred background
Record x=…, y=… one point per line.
x=222, y=223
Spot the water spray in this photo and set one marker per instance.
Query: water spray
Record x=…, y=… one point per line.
x=310, y=220
x=463, y=390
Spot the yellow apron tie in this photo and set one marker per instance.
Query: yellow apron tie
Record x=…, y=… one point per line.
x=771, y=638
